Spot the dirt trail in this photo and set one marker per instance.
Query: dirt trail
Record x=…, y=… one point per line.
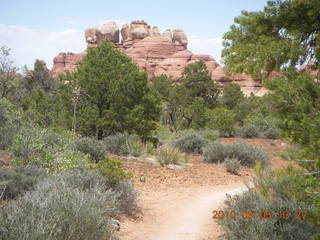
x=181, y=214
x=192, y=220
x=178, y=204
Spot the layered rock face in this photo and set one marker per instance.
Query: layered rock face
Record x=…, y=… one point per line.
x=66, y=62
x=154, y=52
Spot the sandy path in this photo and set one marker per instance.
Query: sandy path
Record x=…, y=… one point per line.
x=178, y=204
x=180, y=214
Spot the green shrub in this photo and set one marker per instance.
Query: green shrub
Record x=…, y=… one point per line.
x=56, y=211
x=247, y=155
x=191, y=143
x=125, y=144
x=214, y=152
x=64, y=160
x=88, y=180
x=117, y=144
x=39, y=147
x=273, y=191
x=28, y=143
x=9, y=123
x=257, y=228
x=135, y=146
x=223, y=120
x=249, y=131
x=232, y=165
x=112, y=170
x=271, y=133
x=170, y=155
x=15, y=182
x=94, y=148
x=150, y=148
x=54, y=140
x=209, y=134
x=259, y=127
x=293, y=154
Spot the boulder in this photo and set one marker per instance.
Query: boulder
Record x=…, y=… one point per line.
x=110, y=31
x=92, y=35
x=125, y=32
x=139, y=29
x=179, y=37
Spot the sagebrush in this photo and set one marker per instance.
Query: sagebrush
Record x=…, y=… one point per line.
x=93, y=147
x=16, y=182
x=232, y=165
x=57, y=210
x=247, y=154
x=191, y=143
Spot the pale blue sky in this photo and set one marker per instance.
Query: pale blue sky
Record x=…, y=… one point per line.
x=42, y=28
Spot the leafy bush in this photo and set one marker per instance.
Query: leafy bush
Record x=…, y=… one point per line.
x=28, y=143
x=223, y=120
x=112, y=170
x=117, y=144
x=231, y=96
x=94, y=148
x=15, y=182
x=247, y=155
x=170, y=155
x=39, y=147
x=191, y=143
x=232, y=165
x=57, y=211
x=257, y=228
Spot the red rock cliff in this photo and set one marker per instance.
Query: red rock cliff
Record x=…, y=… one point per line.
x=154, y=52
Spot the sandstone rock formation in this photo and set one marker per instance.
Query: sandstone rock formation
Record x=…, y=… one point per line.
x=66, y=62
x=154, y=52
x=108, y=31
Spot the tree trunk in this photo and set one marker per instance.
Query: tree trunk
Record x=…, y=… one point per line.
x=100, y=134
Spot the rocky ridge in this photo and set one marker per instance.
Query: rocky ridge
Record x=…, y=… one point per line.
x=154, y=52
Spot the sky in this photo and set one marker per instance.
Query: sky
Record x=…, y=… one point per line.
x=40, y=29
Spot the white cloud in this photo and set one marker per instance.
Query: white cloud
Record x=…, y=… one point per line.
x=211, y=46
x=30, y=44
